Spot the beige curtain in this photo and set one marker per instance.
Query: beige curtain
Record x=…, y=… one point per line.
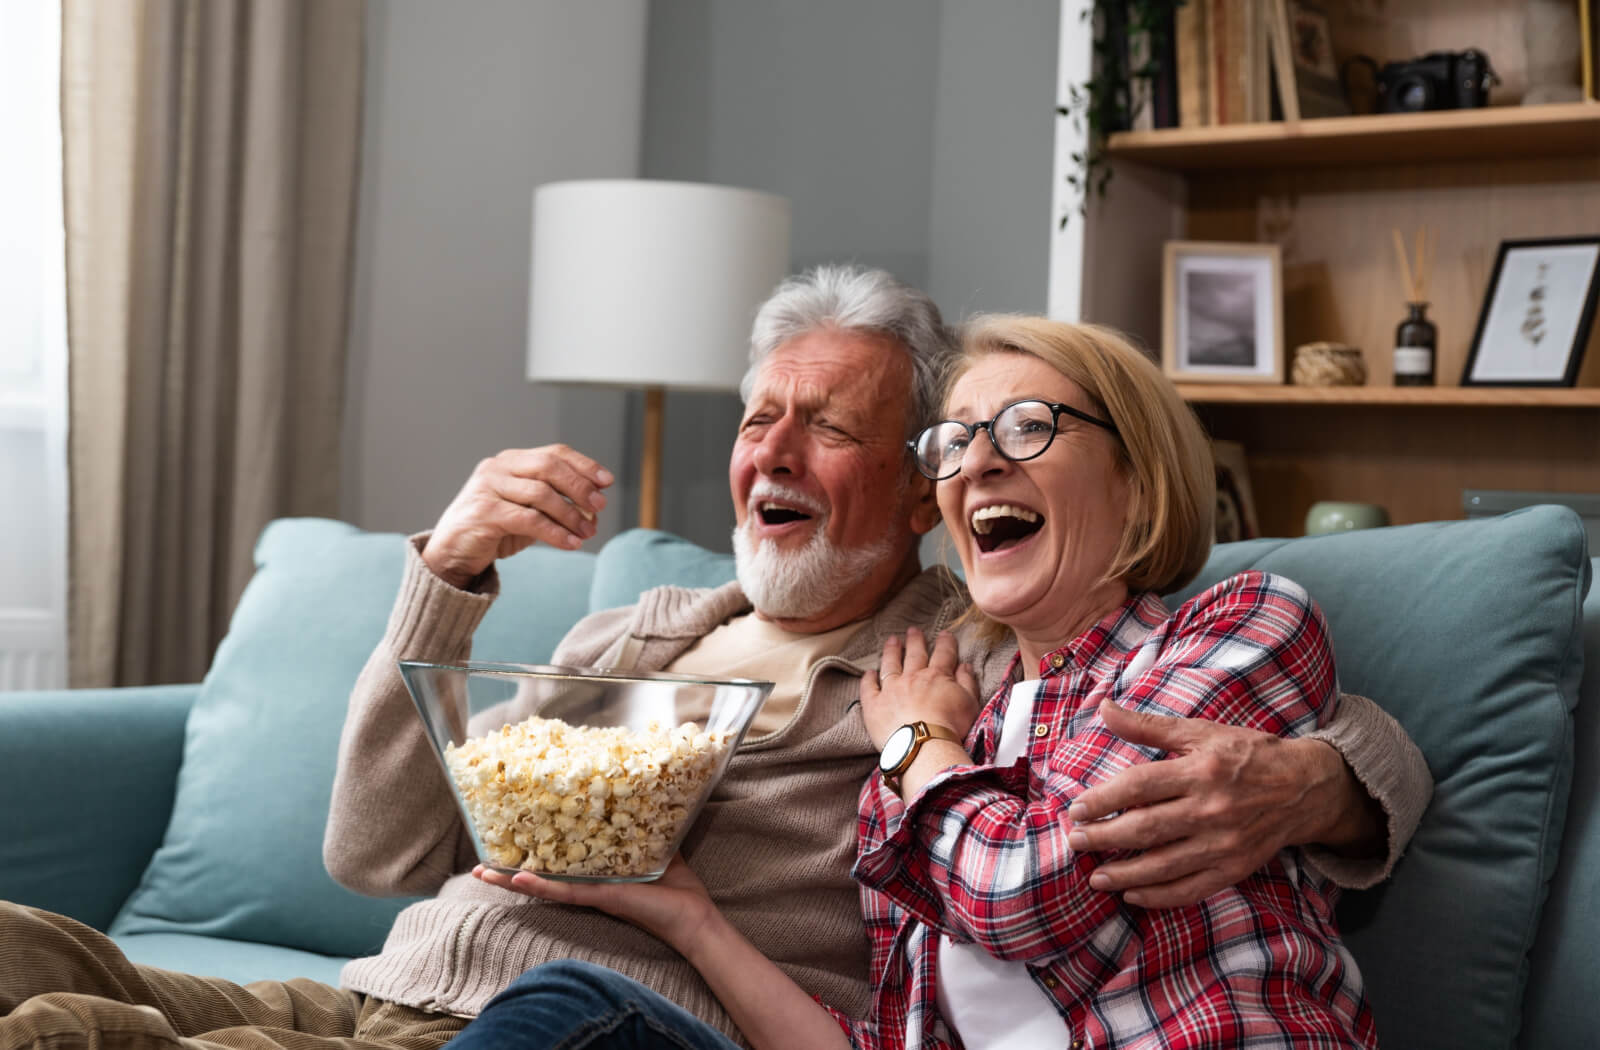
x=210, y=152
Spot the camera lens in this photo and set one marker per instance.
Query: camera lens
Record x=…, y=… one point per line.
x=1412, y=94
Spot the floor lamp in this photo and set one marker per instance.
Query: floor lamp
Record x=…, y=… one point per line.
x=648, y=284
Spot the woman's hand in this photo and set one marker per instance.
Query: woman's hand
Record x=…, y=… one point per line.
x=912, y=685
x=673, y=907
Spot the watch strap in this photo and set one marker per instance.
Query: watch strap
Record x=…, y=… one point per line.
x=921, y=733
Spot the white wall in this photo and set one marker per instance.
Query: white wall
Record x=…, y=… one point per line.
x=469, y=106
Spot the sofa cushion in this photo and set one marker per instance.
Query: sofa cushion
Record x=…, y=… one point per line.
x=237, y=961
x=1469, y=633
x=242, y=854
x=639, y=559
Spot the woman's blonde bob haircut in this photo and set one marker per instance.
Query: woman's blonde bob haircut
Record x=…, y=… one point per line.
x=1163, y=448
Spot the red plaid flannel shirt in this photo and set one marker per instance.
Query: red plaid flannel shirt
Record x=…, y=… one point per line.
x=981, y=852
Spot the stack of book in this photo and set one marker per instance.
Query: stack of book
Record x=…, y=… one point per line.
x=1242, y=61
x=1246, y=61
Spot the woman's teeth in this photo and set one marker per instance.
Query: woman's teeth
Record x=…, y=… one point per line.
x=983, y=519
x=1003, y=525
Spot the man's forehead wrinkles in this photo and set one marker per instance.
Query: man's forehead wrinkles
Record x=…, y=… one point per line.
x=805, y=391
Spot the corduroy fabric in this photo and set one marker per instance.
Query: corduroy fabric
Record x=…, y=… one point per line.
x=67, y=987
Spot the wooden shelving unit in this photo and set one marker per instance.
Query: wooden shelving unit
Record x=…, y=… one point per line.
x=1406, y=396
x=1329, y=192
x=1570, y=129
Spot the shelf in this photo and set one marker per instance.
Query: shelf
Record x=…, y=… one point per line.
x=1443, y=396
x=1568, y=129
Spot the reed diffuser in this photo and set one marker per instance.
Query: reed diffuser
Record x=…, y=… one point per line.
x=1416, y=339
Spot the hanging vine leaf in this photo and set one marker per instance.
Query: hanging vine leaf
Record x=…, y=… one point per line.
x=1108, y=101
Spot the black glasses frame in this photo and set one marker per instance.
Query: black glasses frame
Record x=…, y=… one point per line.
x=1057, y=410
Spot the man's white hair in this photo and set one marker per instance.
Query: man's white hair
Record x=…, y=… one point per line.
x=854, y=298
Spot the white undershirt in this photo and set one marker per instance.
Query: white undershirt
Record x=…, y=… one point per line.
x=991, y=1003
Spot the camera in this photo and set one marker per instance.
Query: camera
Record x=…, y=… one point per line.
x=1437, y=80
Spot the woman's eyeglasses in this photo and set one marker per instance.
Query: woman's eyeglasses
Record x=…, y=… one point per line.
x=1020, y=431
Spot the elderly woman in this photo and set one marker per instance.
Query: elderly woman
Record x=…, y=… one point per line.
x=1077, y=486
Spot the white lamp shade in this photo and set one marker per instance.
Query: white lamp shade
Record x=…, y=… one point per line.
x=646, y=283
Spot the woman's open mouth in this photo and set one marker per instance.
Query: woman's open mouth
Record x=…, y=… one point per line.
x=1001, y=526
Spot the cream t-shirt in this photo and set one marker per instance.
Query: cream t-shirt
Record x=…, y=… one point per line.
x=993, y=1003
x=749, y=647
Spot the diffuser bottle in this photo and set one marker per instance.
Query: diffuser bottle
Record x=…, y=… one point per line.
x=1414, y=345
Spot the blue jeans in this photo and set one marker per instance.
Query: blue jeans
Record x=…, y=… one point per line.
x=570, y=1005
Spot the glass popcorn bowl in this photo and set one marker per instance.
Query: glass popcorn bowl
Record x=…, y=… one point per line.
x=579, y=773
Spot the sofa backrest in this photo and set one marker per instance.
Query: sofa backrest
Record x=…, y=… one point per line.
x=242, y=854
x=1470, y=634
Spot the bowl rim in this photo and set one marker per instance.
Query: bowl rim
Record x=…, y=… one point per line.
x=612, y=674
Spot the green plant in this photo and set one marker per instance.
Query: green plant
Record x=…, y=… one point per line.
x=1107, y=102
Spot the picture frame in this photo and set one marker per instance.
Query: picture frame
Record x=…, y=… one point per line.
x=1319, y=88
x=1222, y=312
x=1236, y=505
x=1537, y=313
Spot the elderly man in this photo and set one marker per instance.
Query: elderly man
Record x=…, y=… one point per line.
x=829, y=513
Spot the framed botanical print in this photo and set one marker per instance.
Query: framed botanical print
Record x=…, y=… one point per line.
x=1536, y=314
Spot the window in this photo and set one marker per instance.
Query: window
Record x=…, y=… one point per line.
x=33, y=353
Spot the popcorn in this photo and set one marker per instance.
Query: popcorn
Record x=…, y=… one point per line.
x=583, y=800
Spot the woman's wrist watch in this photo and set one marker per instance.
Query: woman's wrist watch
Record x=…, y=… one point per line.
x=901, y=749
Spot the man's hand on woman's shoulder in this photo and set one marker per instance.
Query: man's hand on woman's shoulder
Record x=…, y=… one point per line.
x=1215, y=810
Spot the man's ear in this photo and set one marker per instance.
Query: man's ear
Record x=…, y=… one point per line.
x=924, y=507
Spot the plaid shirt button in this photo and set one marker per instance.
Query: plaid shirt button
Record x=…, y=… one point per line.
x=1041, y=730
x=1057, y=661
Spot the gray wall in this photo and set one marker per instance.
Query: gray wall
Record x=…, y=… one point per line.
x=907, y=134
x=828, y=102
x=993, y=149
x=469, y=106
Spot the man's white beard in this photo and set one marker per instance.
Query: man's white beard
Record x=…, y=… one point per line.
x=801, y=584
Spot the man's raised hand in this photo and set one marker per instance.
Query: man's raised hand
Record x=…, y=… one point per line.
x=511, y=501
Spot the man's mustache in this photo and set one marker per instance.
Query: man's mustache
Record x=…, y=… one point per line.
x=777, y=492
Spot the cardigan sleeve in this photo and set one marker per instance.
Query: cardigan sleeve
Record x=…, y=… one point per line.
x=1392, y=769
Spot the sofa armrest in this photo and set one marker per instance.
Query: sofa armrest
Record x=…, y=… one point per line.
x=86, y=785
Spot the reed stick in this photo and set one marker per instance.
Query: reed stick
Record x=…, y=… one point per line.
x=1425, y=264
x=1405, y=265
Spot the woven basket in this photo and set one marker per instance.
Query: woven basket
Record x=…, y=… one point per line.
x=1328, y=364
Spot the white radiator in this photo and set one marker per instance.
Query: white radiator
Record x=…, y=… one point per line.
x=32, y=653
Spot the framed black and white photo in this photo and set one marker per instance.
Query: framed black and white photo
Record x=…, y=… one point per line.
x=1536, y=314
x=1222, y=315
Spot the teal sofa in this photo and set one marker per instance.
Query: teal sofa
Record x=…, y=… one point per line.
x=187, y=820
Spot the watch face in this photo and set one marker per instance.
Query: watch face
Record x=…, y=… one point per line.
x=896, y=749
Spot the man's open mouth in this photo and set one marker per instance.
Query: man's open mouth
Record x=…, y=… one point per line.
x=780, y=514
x=1003, y=525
